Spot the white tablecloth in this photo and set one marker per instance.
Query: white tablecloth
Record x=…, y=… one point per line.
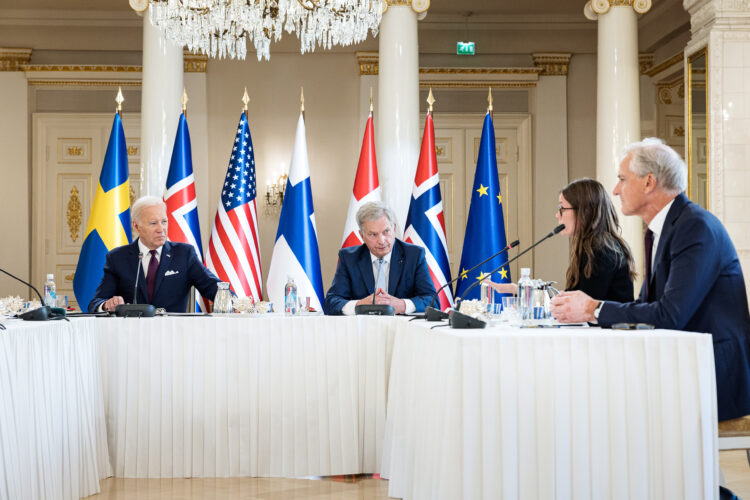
x=584, y=414
x=52, y=432
x=229, y=396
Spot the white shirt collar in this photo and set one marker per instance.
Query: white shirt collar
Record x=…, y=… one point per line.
x=657, y=223
x=386, y=257
x=145, y=250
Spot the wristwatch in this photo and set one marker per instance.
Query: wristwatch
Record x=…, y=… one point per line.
x=598, y=309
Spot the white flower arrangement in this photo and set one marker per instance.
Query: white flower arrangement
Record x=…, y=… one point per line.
x=474, y=308
x=245, y=305
x=14, y=304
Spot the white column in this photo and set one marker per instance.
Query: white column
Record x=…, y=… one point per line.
x=618, y=120
x=160, y=107
x=397, y=124
x=724, y=29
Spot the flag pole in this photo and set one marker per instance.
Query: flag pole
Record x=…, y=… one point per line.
x=430, y=101
x=184, y=101
x=245, y=100
x=370, y=100
x=489, y=100
x=302, y=101
x=119, y=100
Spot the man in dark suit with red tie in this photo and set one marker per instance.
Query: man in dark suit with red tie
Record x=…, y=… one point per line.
x=168, y=270
x=693, y=279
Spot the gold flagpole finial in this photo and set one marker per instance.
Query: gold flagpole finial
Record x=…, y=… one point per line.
x=245, y=100
x=119, y=99
x=430, y=100
x=370, y=100
x=302, y=100
x=184, y=100
x=489, y=100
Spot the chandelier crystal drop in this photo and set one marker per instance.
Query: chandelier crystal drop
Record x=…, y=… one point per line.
x=222, y=28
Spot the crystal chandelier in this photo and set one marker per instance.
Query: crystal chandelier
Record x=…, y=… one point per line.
x=221, y=28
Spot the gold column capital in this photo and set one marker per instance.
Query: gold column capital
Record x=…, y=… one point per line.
x=11, y=59
x=600, y=7
x=645, y=62
x=368, y=63
x=193, y=63
x=418, y=6
x=551, y=63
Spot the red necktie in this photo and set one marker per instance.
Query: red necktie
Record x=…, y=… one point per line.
x=153, y=265
x=648, y=240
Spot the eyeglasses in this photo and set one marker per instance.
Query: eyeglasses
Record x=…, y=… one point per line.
x=561, y=209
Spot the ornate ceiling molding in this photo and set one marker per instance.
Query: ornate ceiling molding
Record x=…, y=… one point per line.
x=552, y=63
x=194, y=63
x=655, y=70
x=368, y=63
x=12, y=59
x=645, y=61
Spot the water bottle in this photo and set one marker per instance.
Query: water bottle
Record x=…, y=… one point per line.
x=525, y=295
x=50, y=291
x=290, y=296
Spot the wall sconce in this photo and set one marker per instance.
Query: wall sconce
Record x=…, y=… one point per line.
x=275, y=193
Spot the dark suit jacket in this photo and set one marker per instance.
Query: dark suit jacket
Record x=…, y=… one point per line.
x=697, y=285
x=170, y=291
x=610, y=278
x=408, y=278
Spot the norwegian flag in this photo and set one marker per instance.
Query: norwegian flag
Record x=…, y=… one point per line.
x=425, y=224
x=182, y=206
x=366, y=186
x=233, y=250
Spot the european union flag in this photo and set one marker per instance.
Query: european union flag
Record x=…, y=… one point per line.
x=485, y=228
x=109, y=221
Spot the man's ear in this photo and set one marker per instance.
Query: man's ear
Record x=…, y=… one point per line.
x=650, y=183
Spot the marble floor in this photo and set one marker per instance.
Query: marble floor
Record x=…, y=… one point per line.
x=733, y=463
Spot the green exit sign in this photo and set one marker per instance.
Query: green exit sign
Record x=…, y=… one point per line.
x=465, y=48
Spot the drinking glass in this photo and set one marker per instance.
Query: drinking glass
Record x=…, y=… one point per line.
x=510, y=309
x=223, y=299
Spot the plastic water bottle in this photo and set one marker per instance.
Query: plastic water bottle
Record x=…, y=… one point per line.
x=525, y=295
x=290, y=296
x=50, y=291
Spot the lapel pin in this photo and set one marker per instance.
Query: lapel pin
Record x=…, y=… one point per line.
x=169, y=256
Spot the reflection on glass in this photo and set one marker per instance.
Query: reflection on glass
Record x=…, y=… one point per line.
x=697, y=129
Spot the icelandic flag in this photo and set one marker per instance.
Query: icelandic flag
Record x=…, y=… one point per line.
x=109, y=222
x=182, y=205
x=485, y=228
x=366, y=187
x=295, y=253
x=425, y=224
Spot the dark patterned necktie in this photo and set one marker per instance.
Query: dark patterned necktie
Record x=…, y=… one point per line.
x=648, y=240
x=153, y=265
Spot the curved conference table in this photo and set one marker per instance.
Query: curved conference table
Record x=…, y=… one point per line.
x=494, y=413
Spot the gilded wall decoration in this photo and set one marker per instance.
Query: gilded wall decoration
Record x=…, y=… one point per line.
x=14, y=59
x=74, y=214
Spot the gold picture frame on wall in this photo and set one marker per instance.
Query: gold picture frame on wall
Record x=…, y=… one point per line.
x=697, y=127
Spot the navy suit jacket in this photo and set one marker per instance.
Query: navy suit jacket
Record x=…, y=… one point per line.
x=170, y=291
x=697, y=286
x=408, y=278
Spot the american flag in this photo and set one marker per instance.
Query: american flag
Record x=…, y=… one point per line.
x=233, y=250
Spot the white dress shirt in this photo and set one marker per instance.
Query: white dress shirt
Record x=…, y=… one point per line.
x=348, y=309
x=147, y=255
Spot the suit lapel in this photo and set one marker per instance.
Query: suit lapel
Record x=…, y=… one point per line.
x=365, y=267
x=664, y=238
x=397, y=265
x=141, y=295
x=164, y=263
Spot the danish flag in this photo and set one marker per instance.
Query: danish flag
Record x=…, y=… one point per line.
x=425, y=224
x=366, y=186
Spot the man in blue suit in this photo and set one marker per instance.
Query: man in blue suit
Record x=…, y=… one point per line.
x=394, y=271
x=168, y=269
x=693, y=279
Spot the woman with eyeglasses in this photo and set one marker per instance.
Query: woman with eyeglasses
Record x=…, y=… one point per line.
x=601, y=264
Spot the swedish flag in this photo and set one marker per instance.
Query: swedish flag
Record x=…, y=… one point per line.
x=109, y=221
x=485, y=227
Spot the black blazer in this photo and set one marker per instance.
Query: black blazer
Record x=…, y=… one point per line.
x=610, y=277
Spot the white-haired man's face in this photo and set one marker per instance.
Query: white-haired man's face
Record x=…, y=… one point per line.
x=378, y=235
x=152, y=226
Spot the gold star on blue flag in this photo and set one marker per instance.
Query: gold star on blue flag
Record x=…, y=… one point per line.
x=485, y=227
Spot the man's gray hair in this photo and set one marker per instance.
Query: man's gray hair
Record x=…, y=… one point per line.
x=652, y=156
x=374, y=210
x=145, y=202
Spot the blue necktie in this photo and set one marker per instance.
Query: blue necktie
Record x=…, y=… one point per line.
x=380, y=280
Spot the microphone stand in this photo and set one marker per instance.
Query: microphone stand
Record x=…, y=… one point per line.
x=136, y=309
x=433, y=314
x=458, y=319
x=42, y=313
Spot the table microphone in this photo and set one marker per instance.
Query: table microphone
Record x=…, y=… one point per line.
x=136, y=309
x=42, y=313
x=460, y=320
x=433, y=314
